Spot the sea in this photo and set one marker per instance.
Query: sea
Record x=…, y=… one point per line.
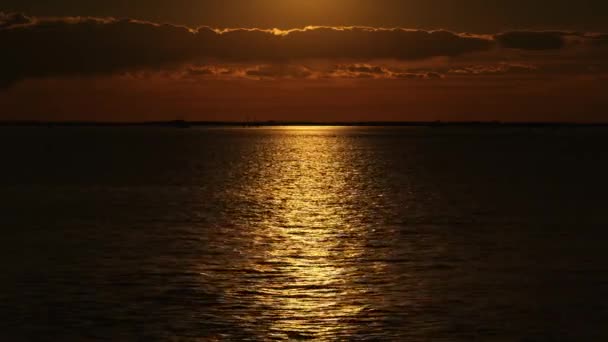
x=304, y=233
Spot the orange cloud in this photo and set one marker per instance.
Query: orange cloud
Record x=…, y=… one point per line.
x=48, y=47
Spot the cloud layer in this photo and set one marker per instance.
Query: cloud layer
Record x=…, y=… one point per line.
x=47, y=47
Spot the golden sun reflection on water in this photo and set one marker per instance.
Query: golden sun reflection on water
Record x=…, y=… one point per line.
x=309, y=244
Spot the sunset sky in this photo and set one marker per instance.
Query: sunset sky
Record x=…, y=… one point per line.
x=313, y=60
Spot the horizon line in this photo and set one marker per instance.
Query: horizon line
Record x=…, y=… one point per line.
x=271, y=123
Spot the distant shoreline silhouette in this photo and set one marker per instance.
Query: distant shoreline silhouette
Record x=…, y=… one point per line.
x=188, y=124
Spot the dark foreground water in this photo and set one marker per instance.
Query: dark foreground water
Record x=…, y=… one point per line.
x=410, y=234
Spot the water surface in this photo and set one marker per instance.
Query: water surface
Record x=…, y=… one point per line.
x=322, y=233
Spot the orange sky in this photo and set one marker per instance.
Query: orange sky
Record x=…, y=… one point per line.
x=104, y=69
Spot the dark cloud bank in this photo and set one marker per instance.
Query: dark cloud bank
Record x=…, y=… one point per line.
x=43, y=47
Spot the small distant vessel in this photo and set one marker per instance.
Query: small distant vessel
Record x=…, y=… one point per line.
x=180, y=124
x=248, y=122
x=437, y=123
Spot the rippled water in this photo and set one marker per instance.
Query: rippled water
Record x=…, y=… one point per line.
x=323, y=233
